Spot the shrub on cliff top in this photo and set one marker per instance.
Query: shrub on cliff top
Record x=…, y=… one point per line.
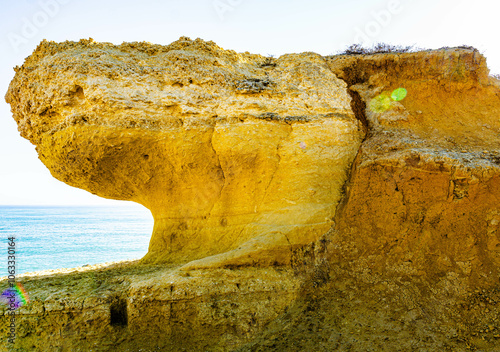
x=383, y=48
x=379, y=48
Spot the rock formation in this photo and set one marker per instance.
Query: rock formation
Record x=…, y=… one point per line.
x=227, y=150
x=348, y=202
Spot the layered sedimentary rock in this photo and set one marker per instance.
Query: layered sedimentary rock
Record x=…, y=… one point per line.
x=227, y=150
x=425, y=191
x=366, y=187
x=414, y=256
x=131, y=307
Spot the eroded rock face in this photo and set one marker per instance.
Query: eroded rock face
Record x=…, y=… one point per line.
x=414, y=256
x=425, y=187
x=244, y=158
x=130, y=307
x=227, y=150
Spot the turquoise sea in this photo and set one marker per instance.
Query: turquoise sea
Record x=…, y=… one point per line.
x=53, y=237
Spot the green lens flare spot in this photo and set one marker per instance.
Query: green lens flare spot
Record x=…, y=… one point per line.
x=398, y=94
x=380, y=103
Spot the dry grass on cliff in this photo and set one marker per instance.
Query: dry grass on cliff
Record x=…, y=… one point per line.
x=384, y=48
x=379, y=48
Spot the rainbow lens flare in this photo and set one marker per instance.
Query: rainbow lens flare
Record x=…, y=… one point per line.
x=15, y=297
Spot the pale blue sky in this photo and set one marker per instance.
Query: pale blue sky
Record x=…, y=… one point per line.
x=259, y=26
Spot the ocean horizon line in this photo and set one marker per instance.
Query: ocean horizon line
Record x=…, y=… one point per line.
x=132, y=204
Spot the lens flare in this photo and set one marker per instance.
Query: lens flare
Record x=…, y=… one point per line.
x=15, y=297
x=382, y=102
x=398, y=94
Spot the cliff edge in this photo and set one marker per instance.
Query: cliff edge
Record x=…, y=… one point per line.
x=229, y=151
x=302, y=203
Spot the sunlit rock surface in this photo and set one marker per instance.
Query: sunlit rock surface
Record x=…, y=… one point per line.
x=305, y=203
x=223, y=148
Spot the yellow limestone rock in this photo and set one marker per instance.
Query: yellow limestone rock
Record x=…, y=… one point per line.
x=413, y=260
x=235, y=154
x=243, y=157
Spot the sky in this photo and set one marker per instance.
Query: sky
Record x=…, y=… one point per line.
x=264, y=27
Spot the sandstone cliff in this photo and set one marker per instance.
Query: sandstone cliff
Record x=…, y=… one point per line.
x=223, y=148
x=302, y=203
